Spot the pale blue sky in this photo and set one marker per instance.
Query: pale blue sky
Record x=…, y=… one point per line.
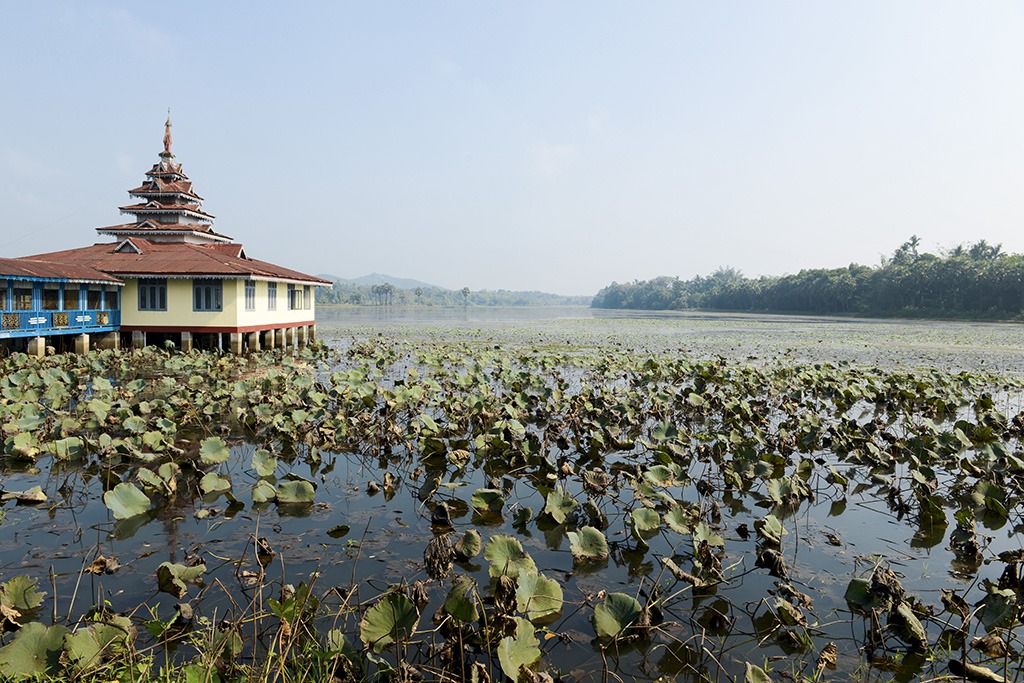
x=525, y=145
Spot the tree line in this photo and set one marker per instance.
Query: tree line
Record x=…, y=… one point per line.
x=387, y=294
x=976, y=281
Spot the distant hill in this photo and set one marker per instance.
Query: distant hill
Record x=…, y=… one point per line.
x=409, y=292
x=382, y=279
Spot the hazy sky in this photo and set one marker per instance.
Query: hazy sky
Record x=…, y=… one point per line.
x=525, y=145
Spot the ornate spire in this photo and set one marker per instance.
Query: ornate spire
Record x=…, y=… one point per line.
x=167, y=136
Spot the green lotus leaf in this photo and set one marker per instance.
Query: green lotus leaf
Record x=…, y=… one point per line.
x=263, y=492
x=461, y=600
x=679, y=520
x=645, y=520
x=770, y=528
x=701, y=532
x=998, y=608
x=213, y=450
x=125, y=500
x=538, y=597
x=20, y=594
x=559, y=504
x=171, y=578
x=292, y=492
x=87, y=647
x=615, y=615
x=756, y=674
x=392, y=620
x=487, y=500
x=659, y=475
x=264, y=462
x=135, y=424
x=860, y=598
x=70, y=448
x=507, y=557
x=588, y=544
x=36, y=649
x=214, y=483
x=522, y=649
x=468, y=547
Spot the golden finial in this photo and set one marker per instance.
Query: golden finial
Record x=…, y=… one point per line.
x=167, y=134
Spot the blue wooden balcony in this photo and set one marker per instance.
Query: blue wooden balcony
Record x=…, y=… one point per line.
x=51, y=323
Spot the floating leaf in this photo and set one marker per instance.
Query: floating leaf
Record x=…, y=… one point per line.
x=295, y=492
x=214, y=483
x=770, y=528
x=588, y=544
x=468, y=547
x=678, y=520
x=213, y=450
x=35, y=649
x=263, y=492
x=559, y=504
x=523, y=649
x=659, y=475
x=538, y=597
x=487, y=500
x=613, y=616
x=461, y=600
x=507, y=557
x=646, y=520
x=392, y=620
x=704, y=533
x=125, y=500
x=20, y=595
x=264, y=463
x=998, y=608
x=860, y=597
x=171, y=578
x=756, y=674
x=908, y=626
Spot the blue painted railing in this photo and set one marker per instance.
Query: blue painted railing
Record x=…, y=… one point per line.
x=49, y=323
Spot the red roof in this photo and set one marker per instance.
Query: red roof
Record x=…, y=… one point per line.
x=174, y=208
x=34, y=267
x=165, y=187
x=174, y=258
x=143, y=228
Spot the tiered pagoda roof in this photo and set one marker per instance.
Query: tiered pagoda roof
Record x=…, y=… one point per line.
x=171, y=237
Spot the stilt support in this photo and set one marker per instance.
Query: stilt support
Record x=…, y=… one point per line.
x=254, y=341
x=186, y=341
x=37, y=347
x=82, y=344
x=138, y=339
x=236, y=343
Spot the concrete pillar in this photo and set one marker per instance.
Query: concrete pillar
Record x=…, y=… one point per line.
x=279, y=338
x=268, y=341
x=300, y=336
x=186, y=341
x=312, y=333
x=254, y=341
x=138, y=339
x=235, y=340
x=82, y=344
x=108, y=340
x=289, y=337
x=37, y=347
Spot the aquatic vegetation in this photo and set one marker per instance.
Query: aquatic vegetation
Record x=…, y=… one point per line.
x=471, y=505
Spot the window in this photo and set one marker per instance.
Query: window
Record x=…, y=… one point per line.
x=307, y=297
x=207, y=294
x=22, y=296
x=271, y=296
x=110, y=298
x=95, y=295
x=3, y=295
x=294, y=298
x=250, y=295
x=153, y=294
x=51, y=296
x=71, y=298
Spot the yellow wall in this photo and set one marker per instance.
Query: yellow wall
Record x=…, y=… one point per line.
x=179, y=313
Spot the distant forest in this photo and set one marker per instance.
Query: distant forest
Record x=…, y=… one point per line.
x=388, y=295
x=977, y=281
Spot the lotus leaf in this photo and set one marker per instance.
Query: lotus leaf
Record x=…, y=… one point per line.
x=487, y=500
x=998, y=608
x=521, y=650
x=264, y=462
x=36, y=649
x=615, y=615
x=87, y=647
x=908, y=626
x=538, y=597
x=755, y=674
x=125, y=500
x=588, y=544
x=701, y=532
x=295, y=492
x=213, y=450
x=646, y=520
x=213, y=482
x=770, y=529
x=392, y=620
x=660, y=475
x=263, y=491
x=468, y=547
x=171, y=578
x=461, y=600
x=559, y=504
x=19, y=598
x=860, y=597
x=507, y=557
x=679, y=520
